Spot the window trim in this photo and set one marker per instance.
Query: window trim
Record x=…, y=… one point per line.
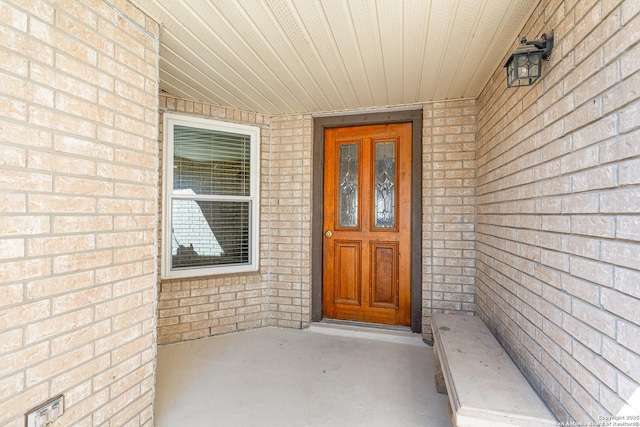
x=169, y=121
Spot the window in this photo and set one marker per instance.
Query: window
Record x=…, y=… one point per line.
x=210, y=204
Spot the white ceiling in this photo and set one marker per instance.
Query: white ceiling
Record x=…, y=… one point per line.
x=308, y=56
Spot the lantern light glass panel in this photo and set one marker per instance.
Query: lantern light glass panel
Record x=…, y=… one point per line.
x=524, y=68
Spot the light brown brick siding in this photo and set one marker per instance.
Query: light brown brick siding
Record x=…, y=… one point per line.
x=287, y=192
x=558, y=211
x=78, y=189
x=448, y=191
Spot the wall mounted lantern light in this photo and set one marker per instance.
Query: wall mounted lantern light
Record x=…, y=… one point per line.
x=524, y=66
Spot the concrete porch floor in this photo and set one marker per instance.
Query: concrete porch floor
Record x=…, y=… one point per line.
x=327, y=375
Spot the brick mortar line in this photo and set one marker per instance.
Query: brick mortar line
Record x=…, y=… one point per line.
x=484, y=255
x=99, y=53
x=542, y=348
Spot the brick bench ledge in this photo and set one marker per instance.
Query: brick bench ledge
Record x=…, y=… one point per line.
x=485, y=387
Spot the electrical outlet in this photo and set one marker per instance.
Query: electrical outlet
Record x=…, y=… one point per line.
x=46, y=413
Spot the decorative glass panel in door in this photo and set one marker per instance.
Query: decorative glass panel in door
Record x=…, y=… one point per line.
x=348, y=193
x=385, y=185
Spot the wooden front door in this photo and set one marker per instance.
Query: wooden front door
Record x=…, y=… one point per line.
x=367, y=224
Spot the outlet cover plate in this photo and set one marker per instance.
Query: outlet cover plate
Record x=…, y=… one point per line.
x=45, y=413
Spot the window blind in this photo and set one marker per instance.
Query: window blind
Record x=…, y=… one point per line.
x=211, y=162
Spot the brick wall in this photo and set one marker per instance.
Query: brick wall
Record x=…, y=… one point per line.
x=194, y=308
x=448, y=239
x=558, y=211
x=78, y=159
x=280, y=294
x=287, y=192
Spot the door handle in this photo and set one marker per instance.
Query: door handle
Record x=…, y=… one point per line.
x=328, y=233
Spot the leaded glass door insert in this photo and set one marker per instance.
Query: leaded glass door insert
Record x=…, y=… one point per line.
x=384, y=212
x=348, y=193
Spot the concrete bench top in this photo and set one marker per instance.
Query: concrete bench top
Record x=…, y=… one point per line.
x=484, y=385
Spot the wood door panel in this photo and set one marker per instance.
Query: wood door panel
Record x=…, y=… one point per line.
x=348, y=285
x=384, y=275
x=367, y=223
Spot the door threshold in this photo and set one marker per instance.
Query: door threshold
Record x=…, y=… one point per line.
x=373, y=331
x=350, y=323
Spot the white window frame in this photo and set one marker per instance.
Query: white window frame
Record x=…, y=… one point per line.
x=170, y=120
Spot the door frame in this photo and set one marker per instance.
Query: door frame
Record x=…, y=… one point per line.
x=320, y=123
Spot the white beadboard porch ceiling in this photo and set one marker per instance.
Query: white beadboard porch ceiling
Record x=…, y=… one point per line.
x=308, y=56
